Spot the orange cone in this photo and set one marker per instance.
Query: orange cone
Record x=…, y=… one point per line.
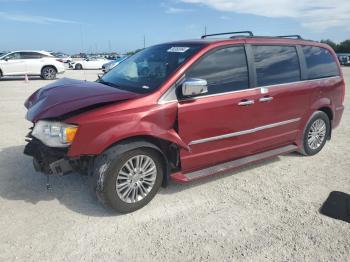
x=26, y=80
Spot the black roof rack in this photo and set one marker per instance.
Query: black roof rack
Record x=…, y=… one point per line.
x=290, y=36
x=250, y=33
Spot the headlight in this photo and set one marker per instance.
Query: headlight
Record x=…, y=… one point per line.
x=54, y=134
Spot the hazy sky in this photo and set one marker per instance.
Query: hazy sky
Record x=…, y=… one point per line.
x=82, y=25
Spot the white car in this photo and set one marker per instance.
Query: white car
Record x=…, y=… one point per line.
x=89, y=63
x=61, y=57
x=31, y=63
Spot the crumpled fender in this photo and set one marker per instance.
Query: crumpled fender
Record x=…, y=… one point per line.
x=95, y=136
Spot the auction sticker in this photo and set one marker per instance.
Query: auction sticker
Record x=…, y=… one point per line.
x=178, y=49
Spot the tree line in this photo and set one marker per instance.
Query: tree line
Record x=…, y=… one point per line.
x=342, y=47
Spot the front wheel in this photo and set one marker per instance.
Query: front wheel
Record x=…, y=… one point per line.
x=129, y=181
x=315, y=134
x=78, y=67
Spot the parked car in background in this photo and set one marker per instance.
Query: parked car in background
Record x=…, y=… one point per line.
x=88, y=63
x=61, y=57
x=186, y=110
x=31, y=63
x=110, y=65
x=344, y=60
x=3, y=53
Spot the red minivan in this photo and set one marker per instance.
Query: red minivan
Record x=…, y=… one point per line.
x=185, y=110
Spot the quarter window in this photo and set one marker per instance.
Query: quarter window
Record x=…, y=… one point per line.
x=320, y=63
x=224, y=69
x=276, y=64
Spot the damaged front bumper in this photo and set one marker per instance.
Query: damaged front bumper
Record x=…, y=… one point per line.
x=54, y=161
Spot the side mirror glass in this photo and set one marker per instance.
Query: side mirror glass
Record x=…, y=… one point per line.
x=194, y=87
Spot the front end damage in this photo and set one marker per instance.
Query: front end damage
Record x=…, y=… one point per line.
x=54, y=160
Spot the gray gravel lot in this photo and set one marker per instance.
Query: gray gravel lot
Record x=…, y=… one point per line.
x=263, y=212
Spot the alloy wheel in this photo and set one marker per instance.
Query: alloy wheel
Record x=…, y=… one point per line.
x=49, y=73
x=317, y=134
x=136, y=178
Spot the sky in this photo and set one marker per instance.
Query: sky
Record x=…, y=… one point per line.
x=97, y=26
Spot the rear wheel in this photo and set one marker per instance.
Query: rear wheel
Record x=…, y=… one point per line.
x=128, y=181
x=316, y=133
x=48, y=73
x=78, y=67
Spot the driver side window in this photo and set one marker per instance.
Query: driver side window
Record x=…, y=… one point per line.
x=13, y=56
x=225, y=70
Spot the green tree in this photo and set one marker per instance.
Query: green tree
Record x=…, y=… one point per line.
x=330, y=43
x=344, y=47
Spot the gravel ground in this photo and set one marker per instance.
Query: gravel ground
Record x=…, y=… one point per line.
x=263, y=212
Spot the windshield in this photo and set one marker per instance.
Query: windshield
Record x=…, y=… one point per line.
x=148, y=69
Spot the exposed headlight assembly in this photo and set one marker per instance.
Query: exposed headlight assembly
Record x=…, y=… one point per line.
x=54, y=134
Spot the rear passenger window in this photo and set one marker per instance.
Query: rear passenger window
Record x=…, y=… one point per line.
x=320, y=63
x=225, y=70
x=276, y=64
x=31, y=55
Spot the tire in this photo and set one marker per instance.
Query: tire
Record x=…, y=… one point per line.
x=316, y=133
x=48, y=73
x=111, y=169
x=78, y=67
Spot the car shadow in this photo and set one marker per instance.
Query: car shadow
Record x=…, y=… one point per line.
x=20, y=182
x=337, y=206
x=18, y=78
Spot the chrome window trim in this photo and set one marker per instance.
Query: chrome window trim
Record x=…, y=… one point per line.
x=244, y=132
x=249, y=89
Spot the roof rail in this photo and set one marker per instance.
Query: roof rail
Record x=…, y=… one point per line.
x=250, y=33
x=290, y=36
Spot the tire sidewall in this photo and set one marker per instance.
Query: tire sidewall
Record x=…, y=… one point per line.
x=106, y=173
x=43, y=75
x=317, y=115
x=78, y=67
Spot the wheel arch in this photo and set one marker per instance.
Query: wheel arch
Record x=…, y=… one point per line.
x=328, y=111
x=49, y=65
x=168, y=150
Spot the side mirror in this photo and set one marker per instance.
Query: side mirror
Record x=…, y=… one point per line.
x=194, y=87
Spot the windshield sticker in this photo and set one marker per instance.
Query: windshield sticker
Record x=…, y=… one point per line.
x=178, y=49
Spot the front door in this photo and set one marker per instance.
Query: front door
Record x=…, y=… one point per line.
x=204, y=121
x=13, y=64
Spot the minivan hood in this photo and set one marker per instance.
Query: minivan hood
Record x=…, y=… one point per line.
x=68, y=95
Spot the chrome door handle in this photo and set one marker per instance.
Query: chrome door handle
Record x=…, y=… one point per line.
x=266, y=99
x=246, y=102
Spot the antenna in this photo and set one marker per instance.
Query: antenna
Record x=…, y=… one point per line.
x=144, y=41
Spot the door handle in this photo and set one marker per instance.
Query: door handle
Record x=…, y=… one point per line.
x=246, y=102
x=266, y=99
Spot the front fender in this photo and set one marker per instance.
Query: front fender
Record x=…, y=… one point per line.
x=96, y=136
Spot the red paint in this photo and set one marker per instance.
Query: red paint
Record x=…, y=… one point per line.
x=133, y=115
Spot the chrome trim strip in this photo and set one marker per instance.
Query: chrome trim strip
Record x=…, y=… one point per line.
x=243, y=132
x=250, y=89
